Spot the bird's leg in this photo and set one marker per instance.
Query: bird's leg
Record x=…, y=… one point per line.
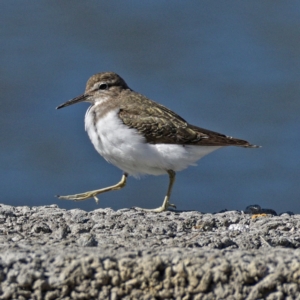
x=166, y=204
x=84, y=196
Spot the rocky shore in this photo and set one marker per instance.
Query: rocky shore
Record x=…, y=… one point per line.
x=51, y=253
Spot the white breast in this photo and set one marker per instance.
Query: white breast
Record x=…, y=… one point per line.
x=128, y=150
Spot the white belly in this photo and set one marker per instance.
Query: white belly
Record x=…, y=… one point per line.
x=128, y=150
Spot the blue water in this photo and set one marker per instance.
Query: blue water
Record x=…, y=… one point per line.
x=228, y=66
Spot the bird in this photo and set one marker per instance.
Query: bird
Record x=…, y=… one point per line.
x=141, y=136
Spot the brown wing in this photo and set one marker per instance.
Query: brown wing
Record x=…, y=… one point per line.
x=219, y=139
x=156, y=123
x=159, y=125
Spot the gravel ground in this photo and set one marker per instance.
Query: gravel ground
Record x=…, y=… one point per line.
x=51, y=253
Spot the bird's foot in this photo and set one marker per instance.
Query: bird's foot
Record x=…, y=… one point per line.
x=80, y=197
x=93, y=194
x=166, y=204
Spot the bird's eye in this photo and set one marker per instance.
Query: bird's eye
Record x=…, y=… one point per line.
x=103, y=86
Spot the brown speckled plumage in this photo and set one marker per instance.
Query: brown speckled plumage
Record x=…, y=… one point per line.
x=158, y=124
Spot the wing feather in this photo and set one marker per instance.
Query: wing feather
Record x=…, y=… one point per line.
x=160, y=125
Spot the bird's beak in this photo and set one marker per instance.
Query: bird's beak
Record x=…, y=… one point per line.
x=78, y=99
